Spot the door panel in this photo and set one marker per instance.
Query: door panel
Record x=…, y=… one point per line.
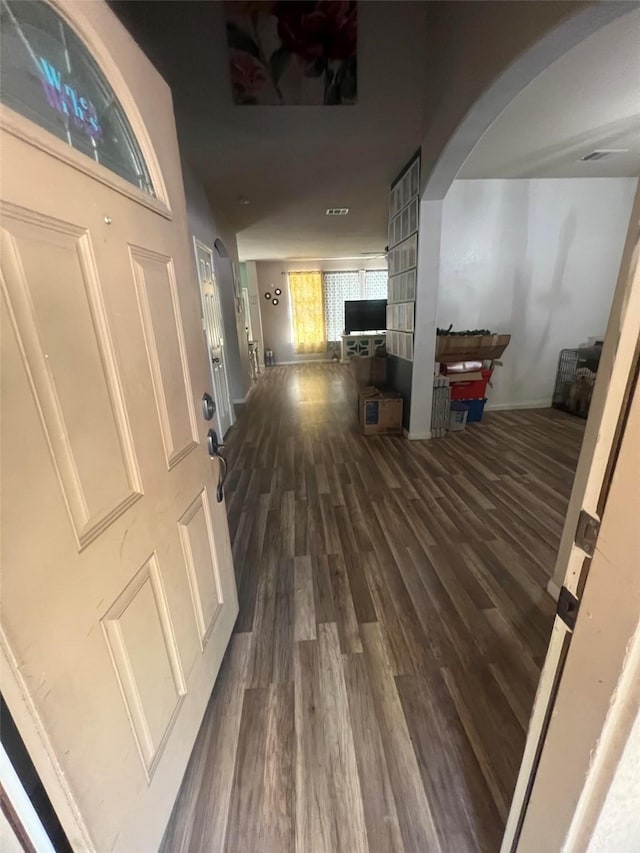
x=117, y=576
x=145, y=655
x=202, y=567
x=164, y=338
x=63, y=346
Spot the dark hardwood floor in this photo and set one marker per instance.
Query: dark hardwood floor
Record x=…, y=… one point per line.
x=393, y=619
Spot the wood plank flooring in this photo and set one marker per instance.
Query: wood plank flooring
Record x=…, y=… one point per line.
x=393, y=619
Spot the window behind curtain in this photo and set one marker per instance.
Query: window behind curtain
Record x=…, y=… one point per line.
x=338, y=288
x=375, y=284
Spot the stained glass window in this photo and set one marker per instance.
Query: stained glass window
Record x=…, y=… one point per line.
x=49, y=77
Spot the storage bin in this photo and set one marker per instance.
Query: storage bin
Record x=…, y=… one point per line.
x=472, y=390
x=476, y=409
x=458, y=416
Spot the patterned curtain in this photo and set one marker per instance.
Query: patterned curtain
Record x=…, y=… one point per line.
x=338, y=288
x=375, y=284
x=307, y=312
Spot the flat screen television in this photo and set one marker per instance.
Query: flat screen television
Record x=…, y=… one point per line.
x=365, y=315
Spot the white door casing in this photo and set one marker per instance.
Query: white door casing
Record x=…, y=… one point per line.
x=214, y=332
x=117, y=577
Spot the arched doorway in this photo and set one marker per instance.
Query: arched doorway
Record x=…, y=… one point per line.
x=556, y=746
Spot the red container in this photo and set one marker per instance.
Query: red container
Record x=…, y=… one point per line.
x=474, y=390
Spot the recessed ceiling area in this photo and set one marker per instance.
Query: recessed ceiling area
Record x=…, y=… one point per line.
x=588, y=100
x=292, y=162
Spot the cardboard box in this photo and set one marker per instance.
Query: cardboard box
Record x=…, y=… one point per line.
x=452, y=348
x=379, y=412
x=471, y=376
x=369, y=370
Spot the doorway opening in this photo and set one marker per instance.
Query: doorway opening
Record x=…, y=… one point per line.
x=214, y=331
x=517, y=174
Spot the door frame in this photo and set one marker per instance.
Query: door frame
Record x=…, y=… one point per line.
x=26, y=824
x=197, y=243
x=610, y=403
x=40, y=748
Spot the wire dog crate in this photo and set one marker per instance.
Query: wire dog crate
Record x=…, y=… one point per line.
x=577, y=369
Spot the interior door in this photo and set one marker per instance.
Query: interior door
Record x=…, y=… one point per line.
x=118, y=591
x=214, y=329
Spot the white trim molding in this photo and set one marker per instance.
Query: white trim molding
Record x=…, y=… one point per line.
x=416, y=436
x=525, y=404
x=553, y=589
x=305, y=361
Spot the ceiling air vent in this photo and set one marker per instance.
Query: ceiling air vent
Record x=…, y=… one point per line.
x=603, y=154
x=337, y=211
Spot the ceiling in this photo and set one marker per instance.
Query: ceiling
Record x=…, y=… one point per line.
x=292, y=162
x=588, y=99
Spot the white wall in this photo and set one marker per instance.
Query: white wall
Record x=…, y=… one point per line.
x=203, y=226
x=537, y=259
x=276, y=319
x=618, y=826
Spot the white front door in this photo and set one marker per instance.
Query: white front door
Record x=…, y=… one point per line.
x=214, y=330
x=118, y=592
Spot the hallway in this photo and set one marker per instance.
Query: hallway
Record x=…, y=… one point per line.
x=393, y=619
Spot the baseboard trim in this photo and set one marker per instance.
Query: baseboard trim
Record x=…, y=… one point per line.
x=553, y=589
x=416, y=436
x=527, y=404
x=303, y=361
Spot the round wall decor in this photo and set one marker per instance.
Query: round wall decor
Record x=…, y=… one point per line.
x=277, y=291
x=267, y=295
x=275, y=301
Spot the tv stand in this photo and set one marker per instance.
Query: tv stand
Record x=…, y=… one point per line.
x=361, y=343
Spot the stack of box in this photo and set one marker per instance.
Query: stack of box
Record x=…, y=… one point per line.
x=469, y=387
x=452, y=349
x=467, y=361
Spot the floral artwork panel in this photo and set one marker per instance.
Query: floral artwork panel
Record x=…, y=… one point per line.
x=291, y=53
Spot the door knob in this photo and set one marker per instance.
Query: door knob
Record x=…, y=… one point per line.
x=214, y=447
x=222, y=476
x=208, y=406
